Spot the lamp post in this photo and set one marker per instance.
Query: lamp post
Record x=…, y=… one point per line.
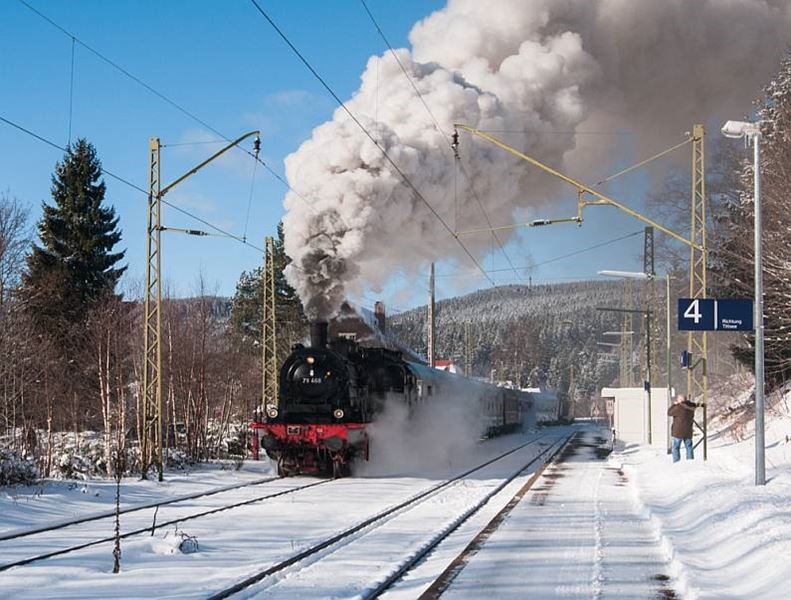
x=752, y=133
x=644, y=277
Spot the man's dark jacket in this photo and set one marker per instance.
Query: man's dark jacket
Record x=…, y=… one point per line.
x=682, y=414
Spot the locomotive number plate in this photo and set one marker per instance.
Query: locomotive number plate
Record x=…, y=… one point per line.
x=293, y=430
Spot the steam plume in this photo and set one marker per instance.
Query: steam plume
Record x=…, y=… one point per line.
x=652, y=67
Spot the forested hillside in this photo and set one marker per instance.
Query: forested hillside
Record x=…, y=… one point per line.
x=529, y=335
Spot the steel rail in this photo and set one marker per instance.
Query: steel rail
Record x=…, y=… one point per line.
x=331, y=541
x=429, y=547
x=452, y=571
x=12, y=535
x=70, y=549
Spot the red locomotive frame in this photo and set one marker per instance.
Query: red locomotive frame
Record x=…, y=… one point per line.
x=334, y=439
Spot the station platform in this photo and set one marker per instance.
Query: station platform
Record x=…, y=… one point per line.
x=578, y=533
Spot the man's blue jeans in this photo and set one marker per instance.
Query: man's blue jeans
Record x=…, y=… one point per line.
x=677, y=449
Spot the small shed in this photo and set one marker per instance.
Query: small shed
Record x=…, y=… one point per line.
x=630, y=415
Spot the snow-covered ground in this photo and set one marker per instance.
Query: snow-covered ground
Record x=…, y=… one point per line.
x=631, y=524
x=576, y=534
x=724, y=536
x=48, y=502
x=232, y=544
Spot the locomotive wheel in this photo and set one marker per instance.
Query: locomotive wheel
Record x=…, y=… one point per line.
x=286, y=468
x=340, y=469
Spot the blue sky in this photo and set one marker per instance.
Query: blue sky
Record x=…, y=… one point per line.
x=222, y=62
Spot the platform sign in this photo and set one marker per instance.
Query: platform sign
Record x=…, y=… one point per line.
x=711, y=314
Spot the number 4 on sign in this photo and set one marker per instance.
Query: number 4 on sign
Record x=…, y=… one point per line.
x=697, y=314
x=693, y=312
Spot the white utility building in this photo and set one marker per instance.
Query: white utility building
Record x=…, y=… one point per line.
x=630, y=415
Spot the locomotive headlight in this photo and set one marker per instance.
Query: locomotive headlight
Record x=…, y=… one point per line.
x=310, y=360
x=338, y=413
x=271, y=412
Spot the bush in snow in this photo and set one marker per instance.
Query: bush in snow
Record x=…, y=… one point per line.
x=178, y=459
x=226, y=442
x=15, y=469
x=79, y=457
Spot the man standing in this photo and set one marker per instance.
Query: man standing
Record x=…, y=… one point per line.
x=683, y=413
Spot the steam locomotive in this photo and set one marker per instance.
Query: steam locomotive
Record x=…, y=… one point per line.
x=331, y=391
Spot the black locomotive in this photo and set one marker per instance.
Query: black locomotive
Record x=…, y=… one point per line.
x=330, y=391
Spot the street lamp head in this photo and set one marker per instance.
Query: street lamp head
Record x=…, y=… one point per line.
x=625, y=274
x=740, y=129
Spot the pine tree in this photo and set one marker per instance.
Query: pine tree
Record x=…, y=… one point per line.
x=247, y=304
x=74, y=265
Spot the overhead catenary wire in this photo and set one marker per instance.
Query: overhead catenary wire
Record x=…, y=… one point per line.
x=555, y=259
x=167, y=100
x=136, y=187
x=118, y=67
x=403, y=68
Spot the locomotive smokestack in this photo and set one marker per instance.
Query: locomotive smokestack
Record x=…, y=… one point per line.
x=318, y=334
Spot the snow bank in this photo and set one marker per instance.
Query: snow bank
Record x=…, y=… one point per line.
x=724, y=537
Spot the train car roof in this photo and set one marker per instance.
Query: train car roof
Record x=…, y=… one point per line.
x=426, y=373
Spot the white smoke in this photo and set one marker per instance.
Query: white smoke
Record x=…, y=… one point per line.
x=402, y=444
x=650, y=66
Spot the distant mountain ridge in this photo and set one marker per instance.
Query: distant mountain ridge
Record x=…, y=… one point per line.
x=530, y=335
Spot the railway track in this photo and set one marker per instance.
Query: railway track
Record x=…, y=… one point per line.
x=31, y=534
x=370, y=524
x=13, y=535
x=446, y=578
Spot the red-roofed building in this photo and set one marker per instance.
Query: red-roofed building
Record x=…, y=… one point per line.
x=446, y=365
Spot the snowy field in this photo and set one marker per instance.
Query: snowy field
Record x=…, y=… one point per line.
x=49, y=502
x=235, y=543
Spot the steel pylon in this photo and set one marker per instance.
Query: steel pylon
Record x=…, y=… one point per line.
x=269, y=337
x=697, y=378
x=467, y=350
x=151, y=426
x=626, y=350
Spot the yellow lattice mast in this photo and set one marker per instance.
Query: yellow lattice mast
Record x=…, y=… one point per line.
x=269, y=398
x=697, y=381
x=697, y=378
x=151, y=425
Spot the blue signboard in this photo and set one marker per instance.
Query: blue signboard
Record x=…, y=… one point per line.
x=710, y=314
